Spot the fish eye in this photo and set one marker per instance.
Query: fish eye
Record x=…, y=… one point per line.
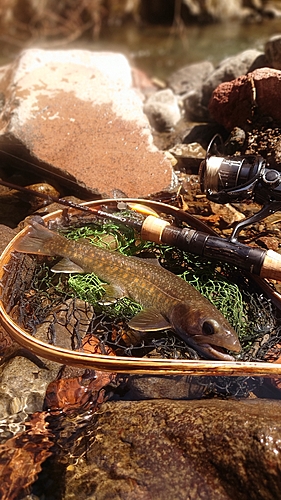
x=208, y=328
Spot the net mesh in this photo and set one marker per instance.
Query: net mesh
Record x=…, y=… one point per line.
x=68, y=310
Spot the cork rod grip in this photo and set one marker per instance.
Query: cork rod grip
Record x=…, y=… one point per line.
x=271, y=266
x=152, y=229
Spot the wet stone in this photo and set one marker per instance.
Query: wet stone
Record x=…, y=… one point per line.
x=212, y=449
x=23, y=384
x=169, y=387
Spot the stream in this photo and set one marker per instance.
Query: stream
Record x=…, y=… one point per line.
x=160, y=50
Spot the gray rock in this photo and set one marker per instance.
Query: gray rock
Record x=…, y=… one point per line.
x=273, y=51
x=162, y=110
x=197, y=100
x=231, y=68
x=194, y=108
x=167, y=450
x=187, y=83
x=189, y=78
x=79, y=120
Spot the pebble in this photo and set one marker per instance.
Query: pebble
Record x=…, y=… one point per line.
x=162, y=110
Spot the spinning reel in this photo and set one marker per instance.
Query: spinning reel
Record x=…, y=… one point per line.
x=228, y=179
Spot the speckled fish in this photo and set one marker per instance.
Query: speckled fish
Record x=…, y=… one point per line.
x=167, y=300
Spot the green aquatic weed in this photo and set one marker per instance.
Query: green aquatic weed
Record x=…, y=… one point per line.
x=124, y=236
x=87, y=287
x=90, y=288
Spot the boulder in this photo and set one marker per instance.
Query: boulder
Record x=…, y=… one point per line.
x=252, y=96
x=208, y=449
x=220, y=10
x=23, y=382
x=74, y=116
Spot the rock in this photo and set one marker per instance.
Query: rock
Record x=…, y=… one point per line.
x=254, y=95
x=231, y=68
x=162, y=110
x=7, y=235
x=189, y=78
x=189, y=156
x=273, y=51
x=78, y=119
x=187, y=83
x=272, y=11
x=170, y=387
x=23, y=384
x=210, y=449
x=197, y=100
x=194, y=108
x=235, y=141
x=219, y=11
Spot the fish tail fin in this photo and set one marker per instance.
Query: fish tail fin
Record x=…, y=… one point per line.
x=38, y=240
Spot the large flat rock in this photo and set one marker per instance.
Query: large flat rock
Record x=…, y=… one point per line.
x=78, y=115
x=179, y=450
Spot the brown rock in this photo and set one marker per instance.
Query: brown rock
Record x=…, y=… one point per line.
x=167, y=450
x=247, y=97
x=7, y=235
x=78, y=115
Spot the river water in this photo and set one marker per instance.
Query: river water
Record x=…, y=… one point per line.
x=159, y=52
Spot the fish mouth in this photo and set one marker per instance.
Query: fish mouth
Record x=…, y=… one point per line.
x=215, y=352
x=217, y=342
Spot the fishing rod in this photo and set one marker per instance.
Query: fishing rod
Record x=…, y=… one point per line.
x=258, y=261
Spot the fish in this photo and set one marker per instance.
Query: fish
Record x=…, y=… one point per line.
x=167, y=300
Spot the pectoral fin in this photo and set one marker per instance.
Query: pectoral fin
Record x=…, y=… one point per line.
x=112, y=293
x=149, y=320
